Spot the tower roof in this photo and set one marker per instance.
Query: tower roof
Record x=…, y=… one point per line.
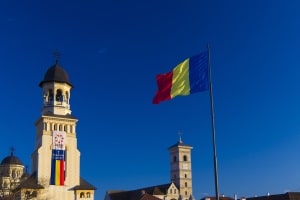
x=180, y=143
x=11, y=160
x=56, y=74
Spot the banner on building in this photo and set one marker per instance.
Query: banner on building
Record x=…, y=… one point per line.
x=58, y=158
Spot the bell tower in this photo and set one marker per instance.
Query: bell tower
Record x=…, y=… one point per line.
x=56, y=159
x=181, y=168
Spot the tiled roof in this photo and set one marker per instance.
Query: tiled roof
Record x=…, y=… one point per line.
x=214, y=198
x=31, y=183
x=149, y=197
x=139, y=194
x=286, y=196
x=84, y=185
x=179, y=143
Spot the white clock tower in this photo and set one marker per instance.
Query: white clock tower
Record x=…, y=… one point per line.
x=56, y=159
x=181, y=169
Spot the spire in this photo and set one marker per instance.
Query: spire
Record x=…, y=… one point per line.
x=56, y=55
x=12, y=149
x=179, y=135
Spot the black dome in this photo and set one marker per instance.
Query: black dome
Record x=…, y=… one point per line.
x=11, y=160
x=56, y=74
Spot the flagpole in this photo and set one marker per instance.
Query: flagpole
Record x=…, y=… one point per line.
x=213, y=126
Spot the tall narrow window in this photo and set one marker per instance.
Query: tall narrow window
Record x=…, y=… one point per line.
x=50, y=95
x=185, y=158
x=67, y=97
x=174, y=159
x=59, y=96
x=45, y=126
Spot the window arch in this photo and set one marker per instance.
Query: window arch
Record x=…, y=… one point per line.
x=185, y=158
x=50, y=95
x=81, y=195
x=88, y=195
x=67, y=97
x=185, y=176
x=185, y=184
x=59, y=96
x=55, y=127
x=27, y=194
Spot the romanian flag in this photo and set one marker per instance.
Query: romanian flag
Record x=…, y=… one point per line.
x=58, y=167
x=58, y=171
x=188, y=77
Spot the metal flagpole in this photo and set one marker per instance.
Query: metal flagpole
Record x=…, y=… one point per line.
x=213, y=126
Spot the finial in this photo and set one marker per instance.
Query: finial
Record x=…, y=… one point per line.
x=179, y=134
x=56, y=55
x=12, y=149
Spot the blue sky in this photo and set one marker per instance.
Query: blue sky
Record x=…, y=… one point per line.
x=112, y=51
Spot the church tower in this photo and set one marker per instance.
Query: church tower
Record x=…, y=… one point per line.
x=56, y=159
x=181, y=169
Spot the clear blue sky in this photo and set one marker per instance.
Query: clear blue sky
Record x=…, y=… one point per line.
x=112, y=51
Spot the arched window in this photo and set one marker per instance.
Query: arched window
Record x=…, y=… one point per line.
x=171, y=191
x=88, y=195
x=55, y=127
x=65, y=128
x=174, y=159
x=59, y=96
x=27, y=194
x=185, y=176
x=185, y=192
x=185, y=158
x=67, y=97
x=185, y=184
x=60, y=127
x=45, y=126
x=81, y=195
x=50, y=95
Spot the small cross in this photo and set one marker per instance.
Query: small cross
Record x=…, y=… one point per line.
x=179, y=135
x=12, y=149
x=56, y=55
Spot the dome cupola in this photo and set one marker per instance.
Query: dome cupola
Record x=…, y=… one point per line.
x=56, y=74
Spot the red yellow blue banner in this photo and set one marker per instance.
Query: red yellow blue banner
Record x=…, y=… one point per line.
x=188, y=77
x=58, y=158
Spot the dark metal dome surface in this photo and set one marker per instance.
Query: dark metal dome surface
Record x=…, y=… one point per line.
x=56, y=74
x=11, y=160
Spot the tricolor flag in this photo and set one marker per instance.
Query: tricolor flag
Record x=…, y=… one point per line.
x=188, y=77
x=58, y=158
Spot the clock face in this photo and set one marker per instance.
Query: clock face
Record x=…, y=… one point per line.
x=59, y=139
